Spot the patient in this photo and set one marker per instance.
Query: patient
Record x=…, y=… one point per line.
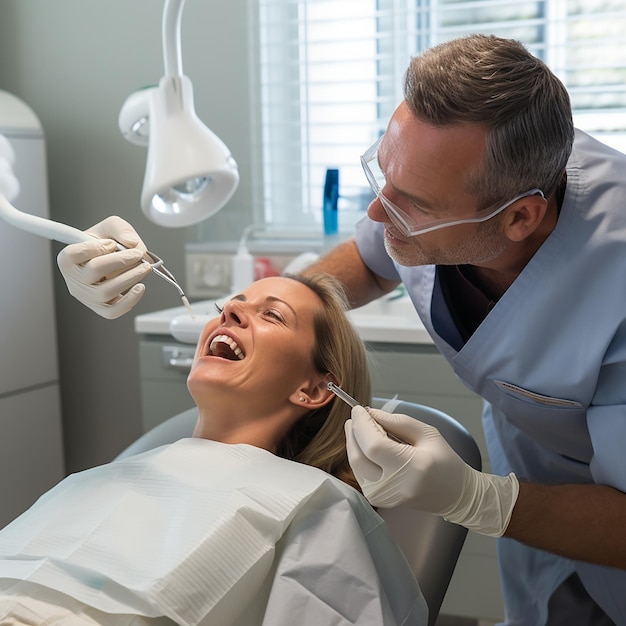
x=281, y=341
x=238, y=524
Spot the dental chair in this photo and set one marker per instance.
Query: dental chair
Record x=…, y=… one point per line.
x=430, y=544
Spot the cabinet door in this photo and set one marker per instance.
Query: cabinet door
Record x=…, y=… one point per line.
x=31, y=449
x=163, y=385
x=27, y=323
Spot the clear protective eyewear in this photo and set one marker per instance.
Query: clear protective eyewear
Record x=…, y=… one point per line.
x=412, y=223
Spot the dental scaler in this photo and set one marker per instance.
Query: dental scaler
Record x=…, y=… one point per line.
x=63, y=233
x=349, y=400
x=340, y=393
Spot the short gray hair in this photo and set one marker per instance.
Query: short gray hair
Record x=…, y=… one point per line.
x=497, y=83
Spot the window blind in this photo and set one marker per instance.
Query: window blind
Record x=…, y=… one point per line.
x=327, y=75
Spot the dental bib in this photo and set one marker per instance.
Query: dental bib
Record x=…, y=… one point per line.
x=189, y=531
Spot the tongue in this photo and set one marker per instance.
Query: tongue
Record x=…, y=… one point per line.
x=224, y=351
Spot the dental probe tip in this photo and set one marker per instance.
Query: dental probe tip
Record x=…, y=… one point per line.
x=188, y=306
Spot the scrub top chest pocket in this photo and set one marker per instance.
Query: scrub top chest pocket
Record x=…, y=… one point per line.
x=558, y=424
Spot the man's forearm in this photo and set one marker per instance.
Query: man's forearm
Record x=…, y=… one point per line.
x=345, y=263
x=580, y=522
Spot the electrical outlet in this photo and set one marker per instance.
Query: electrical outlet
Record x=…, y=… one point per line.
x=209, y=275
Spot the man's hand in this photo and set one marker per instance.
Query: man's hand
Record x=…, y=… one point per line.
x=425, y=472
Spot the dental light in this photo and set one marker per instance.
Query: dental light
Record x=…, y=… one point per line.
x=190, y=173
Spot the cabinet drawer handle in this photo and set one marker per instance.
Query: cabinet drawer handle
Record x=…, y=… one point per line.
x=181, y=364
x=177, y=357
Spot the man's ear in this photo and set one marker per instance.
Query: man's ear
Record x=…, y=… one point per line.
x=312, y=394
x=524, y=217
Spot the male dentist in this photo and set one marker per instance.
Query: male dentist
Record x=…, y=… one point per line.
x=508, y=229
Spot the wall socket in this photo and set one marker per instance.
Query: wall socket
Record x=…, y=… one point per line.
x=209, y=274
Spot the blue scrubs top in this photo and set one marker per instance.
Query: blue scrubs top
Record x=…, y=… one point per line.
x=550, y=361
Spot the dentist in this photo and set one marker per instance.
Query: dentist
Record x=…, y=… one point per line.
x=508, y=229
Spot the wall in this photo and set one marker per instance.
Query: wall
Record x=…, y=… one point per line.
x=75, y=62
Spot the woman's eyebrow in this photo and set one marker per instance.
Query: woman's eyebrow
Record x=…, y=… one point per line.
x=269, y=299
x=275, y=299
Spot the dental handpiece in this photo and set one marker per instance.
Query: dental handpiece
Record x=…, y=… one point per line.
x=49, y=229
x=348, y=399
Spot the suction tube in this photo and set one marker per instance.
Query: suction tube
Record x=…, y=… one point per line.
x=40, y=226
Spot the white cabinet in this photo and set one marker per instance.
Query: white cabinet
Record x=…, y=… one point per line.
x=163, y=379
x=31, y=446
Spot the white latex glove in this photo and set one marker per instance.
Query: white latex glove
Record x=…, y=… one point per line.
x=425, y=473
x=102, y=277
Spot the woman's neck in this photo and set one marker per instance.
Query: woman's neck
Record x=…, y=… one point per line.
x=263, y=432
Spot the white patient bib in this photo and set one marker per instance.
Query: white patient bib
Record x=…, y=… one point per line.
x=168, y=532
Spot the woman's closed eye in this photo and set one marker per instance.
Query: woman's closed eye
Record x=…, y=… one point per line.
x=271, y=313
x=274, y=314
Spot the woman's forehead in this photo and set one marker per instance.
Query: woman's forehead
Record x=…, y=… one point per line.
x=279, y=286
x=296, y=294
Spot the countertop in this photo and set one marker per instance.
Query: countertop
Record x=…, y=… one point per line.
x=386, y=320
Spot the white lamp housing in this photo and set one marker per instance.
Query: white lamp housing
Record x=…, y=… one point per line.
x=190, y=173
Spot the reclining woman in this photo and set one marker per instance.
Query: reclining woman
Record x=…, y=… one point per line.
x=254, y=520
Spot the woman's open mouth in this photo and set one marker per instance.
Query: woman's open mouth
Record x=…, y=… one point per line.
x=225, y=347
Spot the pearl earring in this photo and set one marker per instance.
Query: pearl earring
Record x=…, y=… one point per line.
x=302, y=399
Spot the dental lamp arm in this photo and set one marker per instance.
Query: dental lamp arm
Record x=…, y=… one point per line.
x=171, y=27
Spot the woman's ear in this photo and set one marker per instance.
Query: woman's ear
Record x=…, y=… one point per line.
x=524, y=217
x=313, y=394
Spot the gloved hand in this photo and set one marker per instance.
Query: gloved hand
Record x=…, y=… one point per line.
x=425, y=473
x=102, y=277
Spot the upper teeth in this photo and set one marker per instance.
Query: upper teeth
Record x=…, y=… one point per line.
x=230, y=342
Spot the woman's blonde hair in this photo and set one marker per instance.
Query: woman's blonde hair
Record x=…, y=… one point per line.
x=318, y=438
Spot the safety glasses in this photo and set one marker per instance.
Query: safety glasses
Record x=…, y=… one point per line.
x=413, y=221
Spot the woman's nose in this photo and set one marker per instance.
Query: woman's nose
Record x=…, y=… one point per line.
x=234, y=313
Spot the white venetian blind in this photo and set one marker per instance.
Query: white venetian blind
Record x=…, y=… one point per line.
x=328, y=75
